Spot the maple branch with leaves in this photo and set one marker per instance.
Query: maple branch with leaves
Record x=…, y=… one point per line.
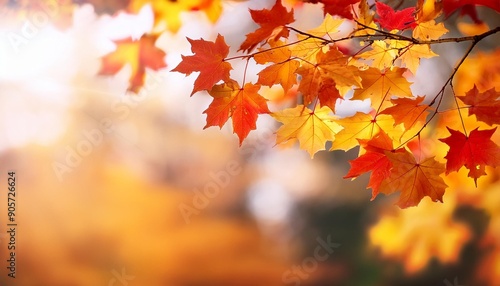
x=319, y=70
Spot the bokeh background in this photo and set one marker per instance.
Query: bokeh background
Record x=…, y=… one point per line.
x=110, y=184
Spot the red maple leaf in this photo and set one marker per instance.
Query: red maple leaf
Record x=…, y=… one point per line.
x=271, y=23
x=485, y=105
x=208, y=59
x=342, y=8
x=395, y=20
x=243, y=105
x=474, y=151
x=467, y=7
x=374, y=160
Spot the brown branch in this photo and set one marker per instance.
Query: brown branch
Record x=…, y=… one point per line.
x=431, y=42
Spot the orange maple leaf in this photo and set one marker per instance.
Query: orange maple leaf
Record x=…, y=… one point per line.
x=208, y=59
x=139, y=55
x=313, y=85
x=241, y=104
x=324, y=79
x=335, y=64
x=381, y=85
x=283, y=69
x=407, y=111
x=485, y=105
x=414, y=179
x=474, y=151
x=271, y=23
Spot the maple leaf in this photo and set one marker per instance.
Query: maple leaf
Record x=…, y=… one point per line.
x=381, y=54
x=208, y=59
x=407, y=111
x=342, y=8
x=485, y=105
x=373, y=160
x=380, y=85
x=472, y=29
x=307, y=48
x=271, y=23
x=329, y=25
x=365, y=18
x=410, y=55
x=415, y=179
x=313, y=84
x=395, y=20
x=467, y=7
x=474, y=152
x=363, y=126
x=211, y=8
x=241, y=104
x=328, y=94
x=429, y=30
x=335, y=64
x=164, y=11
x=312, y=128
x=283, y=69
x=170, y=11
x=417, y=236
x=324, y=79
x=139, y=55
x=428, y=10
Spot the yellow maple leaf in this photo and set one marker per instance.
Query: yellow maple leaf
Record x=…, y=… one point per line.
x=366, y=18
x=307, y=48
x=170, y=11
x=410, y=54
x=382, y=55
x=312, y=128
x=328, y=27
x=429, y=30
x=380, y=85
x=363, y=126
x=393, y=232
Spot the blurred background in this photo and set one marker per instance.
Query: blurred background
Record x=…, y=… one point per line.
x=115, y=188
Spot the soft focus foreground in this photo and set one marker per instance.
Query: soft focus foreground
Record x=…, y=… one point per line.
x=123, y=189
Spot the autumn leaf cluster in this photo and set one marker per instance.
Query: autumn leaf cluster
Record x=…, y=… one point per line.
x=375, y=60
